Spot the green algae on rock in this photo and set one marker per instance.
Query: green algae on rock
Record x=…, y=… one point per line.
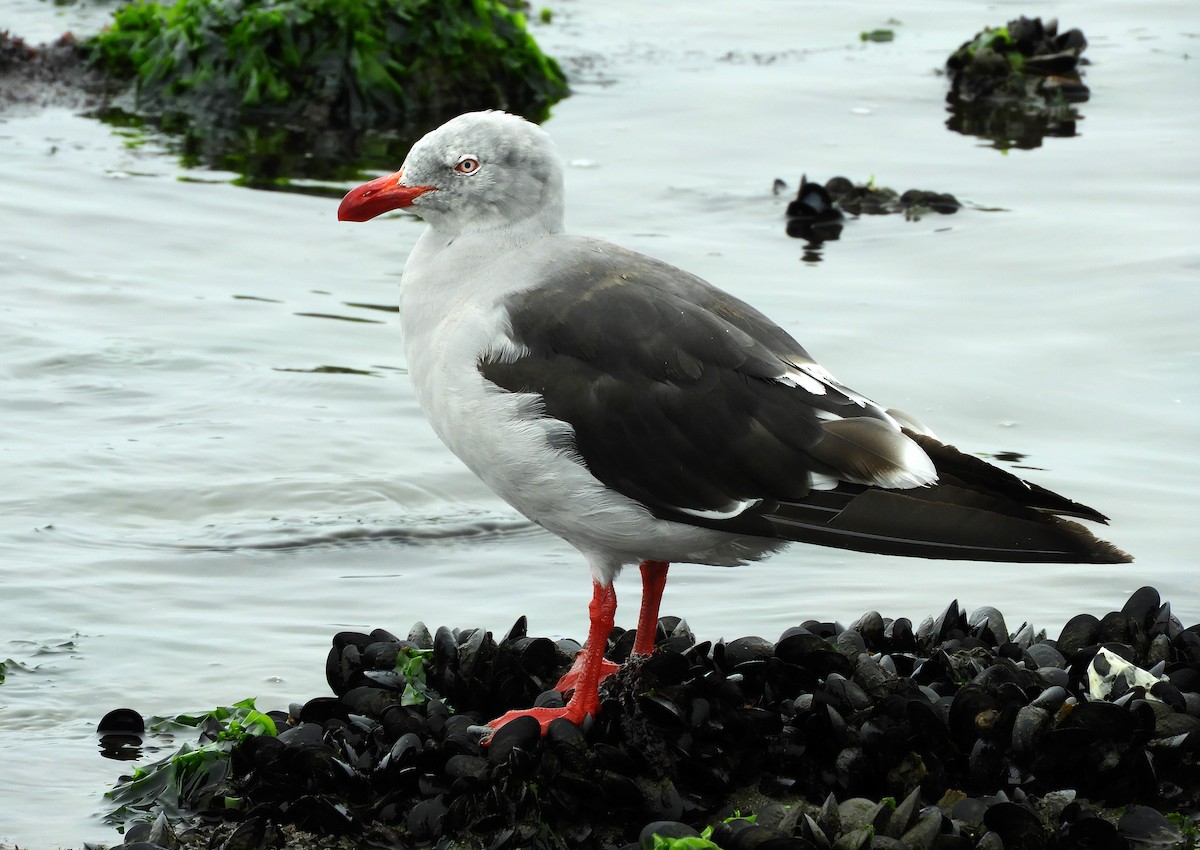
x=232, y=70
x=362, y=63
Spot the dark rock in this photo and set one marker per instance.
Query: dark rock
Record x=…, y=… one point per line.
x=524, y=733
x=1017, y=84
x=989, y=621
x=123, y=721
x=924, y=832
x=1080, y=631
x=1092, y=833
x=872, y=628
x=1045, y=655
x=1030, y=725
x=1143, y=606
x=1019, y=828
x=1148, y=826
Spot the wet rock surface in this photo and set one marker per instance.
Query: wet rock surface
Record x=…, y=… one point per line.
x=55, y=74
x=955, y=733
x=1017, y=84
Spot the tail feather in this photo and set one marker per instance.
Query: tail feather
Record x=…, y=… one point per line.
x=976, y=473
x=976, y=511
x=945, y=521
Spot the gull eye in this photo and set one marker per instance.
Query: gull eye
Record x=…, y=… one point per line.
x=466, y=164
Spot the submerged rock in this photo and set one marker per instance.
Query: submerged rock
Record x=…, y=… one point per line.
x=817, y=735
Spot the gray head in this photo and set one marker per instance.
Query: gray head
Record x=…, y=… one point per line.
x=479, y=171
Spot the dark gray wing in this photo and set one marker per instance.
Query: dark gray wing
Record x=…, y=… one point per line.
x=673, y=387
x=679, y=396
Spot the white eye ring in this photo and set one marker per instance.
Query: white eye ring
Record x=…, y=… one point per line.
x=467, y=164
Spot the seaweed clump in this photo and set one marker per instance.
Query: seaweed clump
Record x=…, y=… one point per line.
x=259, y=78
x=954, y=734
x=1017, y=84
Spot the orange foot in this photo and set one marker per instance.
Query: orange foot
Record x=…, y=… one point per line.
x=576, y=710
x=571, y=678
x=584, y=676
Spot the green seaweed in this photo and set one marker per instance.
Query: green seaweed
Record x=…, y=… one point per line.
x=691, y=842
x=995, y=40
x=413, y=665
x=241, y=75
x=1189, y=828
x=194, y=777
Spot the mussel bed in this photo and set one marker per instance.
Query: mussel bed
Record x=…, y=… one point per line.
x=953, y=734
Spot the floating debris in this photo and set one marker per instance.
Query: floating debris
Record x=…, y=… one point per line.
x=1017, y=84
x=818, y=212
x=955, y=733
x=877, y=35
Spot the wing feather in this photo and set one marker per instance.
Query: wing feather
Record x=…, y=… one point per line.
x=693, y=403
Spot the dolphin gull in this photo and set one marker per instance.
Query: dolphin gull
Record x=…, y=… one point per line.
x=645, y=416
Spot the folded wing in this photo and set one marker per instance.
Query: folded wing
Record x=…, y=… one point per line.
x=698, y=406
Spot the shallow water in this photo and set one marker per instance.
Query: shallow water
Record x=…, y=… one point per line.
x=194, y=501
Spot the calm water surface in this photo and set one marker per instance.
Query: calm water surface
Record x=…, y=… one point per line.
x=197, y=493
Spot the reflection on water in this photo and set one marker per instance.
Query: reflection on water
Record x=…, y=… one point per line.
x=341, y=318
x=386, y=308
x=297, y=535
x=280, y=158
x=329, y=370
x=431, y=531
x=1012, y=126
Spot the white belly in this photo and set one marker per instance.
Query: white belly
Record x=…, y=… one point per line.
x=528, y=459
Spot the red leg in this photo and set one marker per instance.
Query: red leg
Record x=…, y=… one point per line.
x=654, y=579
x=586, y=699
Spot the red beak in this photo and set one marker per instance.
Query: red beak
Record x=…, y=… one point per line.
x=383, y=194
